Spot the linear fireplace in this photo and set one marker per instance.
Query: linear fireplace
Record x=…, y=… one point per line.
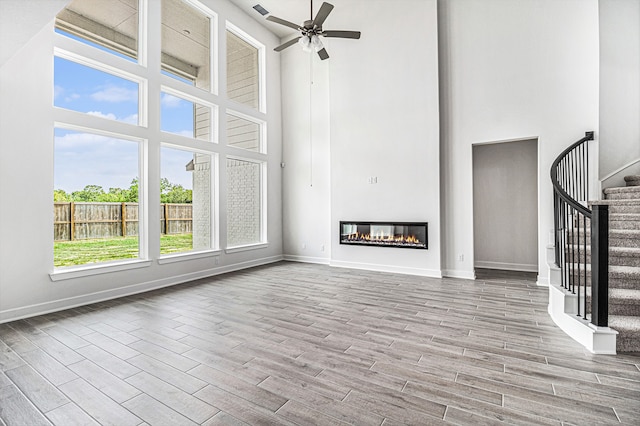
x=384, y=234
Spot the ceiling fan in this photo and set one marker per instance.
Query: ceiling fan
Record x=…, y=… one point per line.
x=312, y=30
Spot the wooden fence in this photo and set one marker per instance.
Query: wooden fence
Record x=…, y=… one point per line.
x=82, y=221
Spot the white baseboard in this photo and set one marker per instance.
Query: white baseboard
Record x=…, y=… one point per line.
x=524, y=267
x=465, y=275
x=432, y=273
x=101, y=296
x=307, y=259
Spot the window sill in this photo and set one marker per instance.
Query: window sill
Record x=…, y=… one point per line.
x=68, y=273
x=179, y=257
x=246, y=248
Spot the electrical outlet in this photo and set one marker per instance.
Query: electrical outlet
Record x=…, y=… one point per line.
x=322, y=247
x=461, y=257
x=304, y=246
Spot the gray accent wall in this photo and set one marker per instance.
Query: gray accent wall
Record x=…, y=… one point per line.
x=505, y=205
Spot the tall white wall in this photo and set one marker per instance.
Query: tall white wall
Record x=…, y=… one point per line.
x=306, y=155
x=372, y=112
x=505, y=205
x=384, y=124
x=619, y=89
x=26, y=179
x=511, y=70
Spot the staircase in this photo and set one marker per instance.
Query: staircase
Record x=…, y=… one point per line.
x=624, y=264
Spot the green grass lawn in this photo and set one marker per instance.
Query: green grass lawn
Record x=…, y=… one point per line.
x=69, y=253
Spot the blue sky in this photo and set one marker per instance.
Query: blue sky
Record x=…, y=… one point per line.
x=87, y=159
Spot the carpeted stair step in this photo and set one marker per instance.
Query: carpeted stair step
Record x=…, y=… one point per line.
x=622, y=193
x=624, y=221
x=617, y=237
x=628, y=327
x=623, y=206
x=619, y=256
x=623, y=277
x=616, y=221
x=621, y=301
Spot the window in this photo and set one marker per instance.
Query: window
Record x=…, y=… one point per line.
x=243, y=133
x=244, y=202
x=187, y=198
x=113, y=135
x=185, y=118
x=186, y=43
x=86, y=89
x=95, y=198
x=243, y=71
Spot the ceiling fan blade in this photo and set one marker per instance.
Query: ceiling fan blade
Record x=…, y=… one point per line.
x=342, y=34
x=283, y=22
x=287, y=44
x=324, y=11
x=323, y=54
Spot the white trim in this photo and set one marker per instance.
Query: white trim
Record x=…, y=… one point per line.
x=248, y=247
x=562, y=308
x=96, y=131
x=307, y=259
x=453, y=273
x=100, y=296
x=524, y=267
x=542, y=281
x=433, y=273
x=610, y=175
x=191, y=255
x=143, y=31
x=61, y=274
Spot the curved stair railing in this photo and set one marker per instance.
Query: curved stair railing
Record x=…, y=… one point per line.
x=581, y=234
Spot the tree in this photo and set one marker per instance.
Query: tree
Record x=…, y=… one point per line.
x=174, y=193
x=59, y=195
x=88, y=194
x=169, y=193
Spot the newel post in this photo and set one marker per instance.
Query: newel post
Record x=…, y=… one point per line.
x=600, y=265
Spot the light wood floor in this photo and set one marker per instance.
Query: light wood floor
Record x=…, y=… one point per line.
x=307, y=344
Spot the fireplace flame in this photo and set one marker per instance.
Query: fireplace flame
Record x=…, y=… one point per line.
x=382, y=237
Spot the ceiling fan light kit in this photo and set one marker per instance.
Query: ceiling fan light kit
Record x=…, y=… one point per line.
x=311, y=31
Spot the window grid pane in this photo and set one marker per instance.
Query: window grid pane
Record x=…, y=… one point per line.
x=88, y=90
x=95, y=198
x=186, y=43
x=242, y=133
x=108, y=26
x=243, y=82
x=243, y=202
x=185, y=118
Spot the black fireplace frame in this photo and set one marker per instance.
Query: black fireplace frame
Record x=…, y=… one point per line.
x=389, y=223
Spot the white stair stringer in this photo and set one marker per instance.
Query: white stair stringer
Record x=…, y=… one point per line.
x=563, y=309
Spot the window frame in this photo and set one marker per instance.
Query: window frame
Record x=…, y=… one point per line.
x=262, y=202
x=214, y=219
x=262, y=78
x=142, y=260
x=262, y=129
x=143, y=84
